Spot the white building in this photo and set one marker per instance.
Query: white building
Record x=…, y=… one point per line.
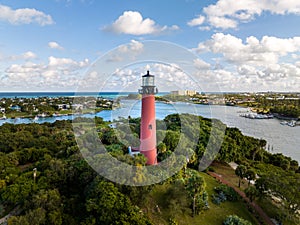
x=184, y=92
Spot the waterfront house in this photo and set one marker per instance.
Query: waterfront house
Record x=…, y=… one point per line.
x=63, y=106
x=15, y=108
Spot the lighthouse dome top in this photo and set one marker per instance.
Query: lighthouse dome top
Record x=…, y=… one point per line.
x=148, y=74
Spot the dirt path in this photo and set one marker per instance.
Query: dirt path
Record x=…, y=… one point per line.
x=3, y=220
x=256, y=207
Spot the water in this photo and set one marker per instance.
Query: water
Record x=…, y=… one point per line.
x=280, y=138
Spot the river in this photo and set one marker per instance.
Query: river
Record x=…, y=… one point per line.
x=280, y=138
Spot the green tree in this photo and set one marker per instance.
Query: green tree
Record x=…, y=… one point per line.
x=240, y=171
x=261, y=186
x=195, y=186
x=109, y=206
x=250, y=175
x=251, y=192
x=20, y=190
x=32, y=217
x=235, y=220
x=171, y=139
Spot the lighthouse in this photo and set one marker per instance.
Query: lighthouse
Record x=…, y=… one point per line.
x=148, y=124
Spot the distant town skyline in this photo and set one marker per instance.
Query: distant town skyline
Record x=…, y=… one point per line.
x=240, y=46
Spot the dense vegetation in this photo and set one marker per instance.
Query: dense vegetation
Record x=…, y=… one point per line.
x=286, y=107
x=43, y=174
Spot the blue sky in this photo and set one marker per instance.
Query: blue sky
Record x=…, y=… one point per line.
x=249, y=45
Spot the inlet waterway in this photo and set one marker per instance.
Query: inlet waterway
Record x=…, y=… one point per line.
x=280, y=138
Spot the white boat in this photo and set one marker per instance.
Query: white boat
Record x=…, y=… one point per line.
x=257, y=116
x=284, y=122
x=292, y=123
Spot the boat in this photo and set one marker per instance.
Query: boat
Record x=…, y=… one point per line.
x=291, y=123
x=35, y=118
x=284, y=122
x=257, y=116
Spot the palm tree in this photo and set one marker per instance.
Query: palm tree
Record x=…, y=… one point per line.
x=240, y=171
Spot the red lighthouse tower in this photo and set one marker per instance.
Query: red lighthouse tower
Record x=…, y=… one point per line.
x=148, y=124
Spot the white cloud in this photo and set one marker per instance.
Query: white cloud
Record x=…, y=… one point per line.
x=197, y=21
x=251, y=63
x=167, y=78
x=173, y=27
x=133, y=46
x=256, y=52
x=29, y=55
x=247, y=70
x=131, y=50
x=25, y=56
x=277, y=78
x=201, y=65
x=229, y=13
x=222, y=22
x=295, y=56
x=69, y=64
x=24, y=16
x=132, y=22
x=57, y=72
x=55, y=45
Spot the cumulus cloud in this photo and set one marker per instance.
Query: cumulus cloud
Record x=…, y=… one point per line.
x=55, y=45
x=201, y=65
x=196, y=21
x=29, y=55
x=24, y=16
x=57, y=72
x=132, y=22
x=133, y=46
x=229, y=13
x=167, y=77
x=253, y=51
x=255, y=63
x=131, y=50
x=25, y=56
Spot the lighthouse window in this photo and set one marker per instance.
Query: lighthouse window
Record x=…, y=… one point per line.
x=150, y=127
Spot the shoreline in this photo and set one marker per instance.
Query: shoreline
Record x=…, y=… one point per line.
x=228, y=115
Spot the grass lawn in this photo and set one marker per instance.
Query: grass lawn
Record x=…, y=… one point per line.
x=15, y=114
x=172, y=203
x=228, y=174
